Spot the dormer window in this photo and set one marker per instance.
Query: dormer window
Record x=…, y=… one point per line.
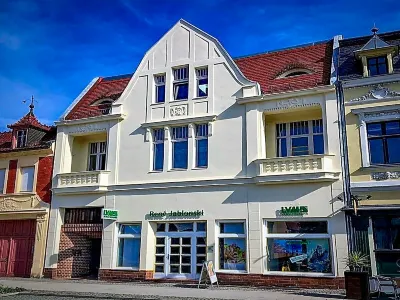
x=294, y=72
x=377, y=66
x=21, y=138
x=181, y=83
x=105, y=107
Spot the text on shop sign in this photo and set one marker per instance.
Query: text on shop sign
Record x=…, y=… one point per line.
x=110, y=214
x=294, y=210
x=178, y=213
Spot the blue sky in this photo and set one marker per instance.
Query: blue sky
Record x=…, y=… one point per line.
x=54, y=48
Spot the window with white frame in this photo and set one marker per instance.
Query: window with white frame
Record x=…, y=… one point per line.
x=97, y=156
x=384, y=142
x=298, y=246
x=21, y=138
x=158, y=149
x=201, y=145
x=129, y=245
x=180, y=147
x=181, y=83
x=2, y=180
x=159, y=88
x=202, y=82
x=27, y=177
x=300, y=138
x=232, y=245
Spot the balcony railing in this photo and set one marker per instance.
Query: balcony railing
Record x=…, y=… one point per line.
x=95, y=179
x=297, y=168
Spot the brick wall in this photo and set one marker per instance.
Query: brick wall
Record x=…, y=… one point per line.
x=281, y=281
x=12, y=176
x=75, y=255
x=233, y=279
x=124, y=275
x=44, y=177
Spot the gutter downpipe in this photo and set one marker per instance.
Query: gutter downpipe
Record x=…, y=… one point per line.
x=344, y=159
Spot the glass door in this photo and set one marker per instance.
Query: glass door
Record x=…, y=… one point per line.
x=180, y=257
x=180, y=250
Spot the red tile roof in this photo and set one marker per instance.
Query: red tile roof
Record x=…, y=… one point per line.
x=264, y=68
x=104, y=88
x=29, y=120
x=5, y=140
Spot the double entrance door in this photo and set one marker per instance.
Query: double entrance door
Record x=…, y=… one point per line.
x=180, y=250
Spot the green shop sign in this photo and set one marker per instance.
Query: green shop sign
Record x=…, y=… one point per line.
x=294, y=211
x=177, y=213
x=109, y=214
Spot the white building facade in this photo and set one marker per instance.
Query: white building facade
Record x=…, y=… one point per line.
x=195, y=162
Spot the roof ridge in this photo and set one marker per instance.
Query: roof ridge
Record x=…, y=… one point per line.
x=380, y=35
x=284, y=49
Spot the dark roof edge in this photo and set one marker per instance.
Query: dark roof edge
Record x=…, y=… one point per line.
x=364, y=37
x=284, y=49
x=117, y=77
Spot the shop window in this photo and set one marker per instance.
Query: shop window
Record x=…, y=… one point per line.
x=2, y=180
x=129, y=245
x=160, y=88
x=181, y=83
x=202, y=82
x=298, y=247
x=97, y=156
x=384, y=142
x=232, y=246
x=300, y=138
x=21, y=138
x=387, y=233
x=158, y=149
x=27, y=177
x=180, y=147
x=377, y=66
x=202, y=145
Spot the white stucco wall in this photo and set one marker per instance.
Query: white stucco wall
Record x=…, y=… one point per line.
x=226, y=190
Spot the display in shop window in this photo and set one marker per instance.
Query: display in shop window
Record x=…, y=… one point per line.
x=299, y=255
x=233, y=254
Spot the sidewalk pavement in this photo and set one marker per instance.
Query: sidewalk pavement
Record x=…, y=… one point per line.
x=167, y=290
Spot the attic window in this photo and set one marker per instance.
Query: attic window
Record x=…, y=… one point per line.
x=294, y=72
x=21, y=138
x=105, y=107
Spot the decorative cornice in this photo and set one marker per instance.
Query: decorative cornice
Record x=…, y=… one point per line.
x=96, y=119
x=277, y=96
x=371, y=81
x=378, y=92
x=378, y=176
x=166, y=123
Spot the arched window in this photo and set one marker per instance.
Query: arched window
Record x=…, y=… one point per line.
x=294, y=72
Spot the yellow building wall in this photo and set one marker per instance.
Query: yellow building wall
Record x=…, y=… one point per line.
x=80, y=150
x=271, y=120
x=357, y=172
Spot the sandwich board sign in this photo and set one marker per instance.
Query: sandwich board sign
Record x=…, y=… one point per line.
x=208, y=274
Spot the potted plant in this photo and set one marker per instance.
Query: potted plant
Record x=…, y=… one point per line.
x=357, y=279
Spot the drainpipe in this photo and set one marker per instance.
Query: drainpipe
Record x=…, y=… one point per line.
x=344, y=159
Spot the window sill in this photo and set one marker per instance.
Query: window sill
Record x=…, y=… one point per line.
x=200, y=98
x=200, y=168
x=176, y=169
x=178, y=100
x=299, y=274
x=232, y=271
x=155, y=171
x=157, y=104
x=126, y=268
x=380, y=166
